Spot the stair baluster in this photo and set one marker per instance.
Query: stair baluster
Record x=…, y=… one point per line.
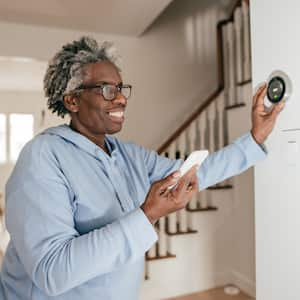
x=162, y=237
x=231, y=63
x=172, y=218
x=152, y=252
x=246, y=41
x=238, y=44
x=182, y=214
x=220, y=109
x=191, y=139
x=202, y=196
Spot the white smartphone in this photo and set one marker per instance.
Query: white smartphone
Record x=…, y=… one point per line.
x=195, y=158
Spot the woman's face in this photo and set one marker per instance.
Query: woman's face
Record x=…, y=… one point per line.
x=96, y=115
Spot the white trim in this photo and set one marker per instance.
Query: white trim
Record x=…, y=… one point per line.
x=246, y=284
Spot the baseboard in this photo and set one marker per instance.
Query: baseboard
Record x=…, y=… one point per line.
x=222, y=278
x=244, y=283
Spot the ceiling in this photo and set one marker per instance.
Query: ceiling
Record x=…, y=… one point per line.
x=122, y=17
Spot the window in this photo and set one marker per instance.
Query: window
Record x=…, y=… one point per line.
x=3, y=148
x=14, y=134
x=21, y=131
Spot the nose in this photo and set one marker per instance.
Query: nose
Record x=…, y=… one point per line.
x=120, y=99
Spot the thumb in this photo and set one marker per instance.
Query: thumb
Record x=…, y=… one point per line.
x=169, y=180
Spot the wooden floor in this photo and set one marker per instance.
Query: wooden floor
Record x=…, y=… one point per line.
x=215, y=294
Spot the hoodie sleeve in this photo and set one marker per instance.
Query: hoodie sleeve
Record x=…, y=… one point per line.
x=218, y=166
x=230, y=161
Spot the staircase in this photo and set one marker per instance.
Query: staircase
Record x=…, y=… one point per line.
x=186, y=257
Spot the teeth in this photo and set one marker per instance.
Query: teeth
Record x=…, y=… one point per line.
x=118, y=114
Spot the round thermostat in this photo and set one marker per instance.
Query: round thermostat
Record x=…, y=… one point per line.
x=279, y=88
x=276, y=89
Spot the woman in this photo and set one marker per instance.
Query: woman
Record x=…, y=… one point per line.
x=81, y=204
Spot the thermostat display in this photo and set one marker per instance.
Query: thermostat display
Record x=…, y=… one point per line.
x=279, y=88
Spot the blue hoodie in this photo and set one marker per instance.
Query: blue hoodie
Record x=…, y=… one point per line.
x=73, y=214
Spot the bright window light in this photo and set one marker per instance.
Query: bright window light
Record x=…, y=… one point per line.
x=21, y=131
x=2, y=138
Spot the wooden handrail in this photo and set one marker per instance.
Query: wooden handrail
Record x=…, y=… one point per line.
x=186, y=124
x=215, y=94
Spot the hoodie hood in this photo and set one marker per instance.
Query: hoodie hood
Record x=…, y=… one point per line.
x=65, y=132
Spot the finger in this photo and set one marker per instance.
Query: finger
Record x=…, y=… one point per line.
x=191, y=177
x=168, y=181
x=263, y=113
x=192, y=190
x=183, y=184
x=194, y=180
x=260, y=97
x=193, y=184
x=258, y=92
x=190, y=187
x=277, y=109
x=180, y=191
x=163, y=192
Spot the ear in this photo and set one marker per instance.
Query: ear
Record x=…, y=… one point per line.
x=71, y=102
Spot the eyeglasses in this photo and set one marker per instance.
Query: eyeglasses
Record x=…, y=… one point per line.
x=108, y=91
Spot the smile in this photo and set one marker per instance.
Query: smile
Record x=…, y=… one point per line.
x=116, y=116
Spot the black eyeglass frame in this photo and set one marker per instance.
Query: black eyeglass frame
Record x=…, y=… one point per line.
x=102, y=86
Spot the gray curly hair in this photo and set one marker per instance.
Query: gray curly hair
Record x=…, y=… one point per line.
x=65, y=71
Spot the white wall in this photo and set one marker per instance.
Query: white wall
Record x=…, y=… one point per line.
x=275, y=45
x=241, y=226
